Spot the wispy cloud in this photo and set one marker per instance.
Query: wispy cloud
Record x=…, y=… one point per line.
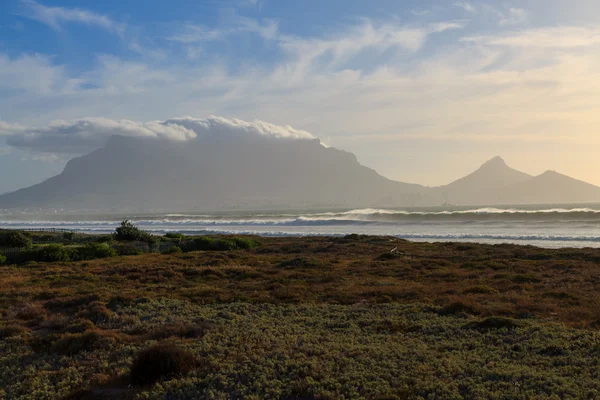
x=559, y=38
x=333, y=52
x=468, y=7
x=236, y=25
x=55, y=17
x=514, y=16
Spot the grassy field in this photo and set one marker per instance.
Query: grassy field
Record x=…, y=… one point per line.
x=309, y=318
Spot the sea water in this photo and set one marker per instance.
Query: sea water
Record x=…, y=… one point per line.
x=543, y=226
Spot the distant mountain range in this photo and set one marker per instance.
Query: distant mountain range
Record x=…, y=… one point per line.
x=496, y=183
x=251, y=173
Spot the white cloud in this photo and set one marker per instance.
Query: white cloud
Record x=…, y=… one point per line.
x=544, y=38
x=235, y=25
x=7, y=129
x=515, y=16
x=468, y=7
x=329, y=54
x=84, y=135
x=54, y=17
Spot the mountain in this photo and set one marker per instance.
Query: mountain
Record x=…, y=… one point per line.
x=214, y=173
x=550, y=187
x=251, y=172
x=496, y=183
x=479, y=187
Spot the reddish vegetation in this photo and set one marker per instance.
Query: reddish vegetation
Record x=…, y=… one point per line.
x=503, y=280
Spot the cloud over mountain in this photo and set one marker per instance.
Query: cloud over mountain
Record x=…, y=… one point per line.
x=87, y=134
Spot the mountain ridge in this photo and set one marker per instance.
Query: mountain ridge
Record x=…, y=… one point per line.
x=150, y=174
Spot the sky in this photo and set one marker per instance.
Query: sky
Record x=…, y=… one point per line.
x=422, y=91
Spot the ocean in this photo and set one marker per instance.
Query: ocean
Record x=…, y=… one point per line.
x=543, y=226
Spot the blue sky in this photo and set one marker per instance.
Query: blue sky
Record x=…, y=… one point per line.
x=422, y=91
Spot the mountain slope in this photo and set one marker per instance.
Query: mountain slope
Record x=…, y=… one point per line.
x=549, y=188
x=208, y=173
x=480, y=186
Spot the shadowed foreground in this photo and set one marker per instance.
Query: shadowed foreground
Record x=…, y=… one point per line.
x=309, y=318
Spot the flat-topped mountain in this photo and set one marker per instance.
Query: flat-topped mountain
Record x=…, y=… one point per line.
x=210, y=173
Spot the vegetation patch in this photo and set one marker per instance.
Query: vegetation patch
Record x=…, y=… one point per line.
x=12, y=330
x=282, y=326
x=160, y=362
x=494, y=323
x=480, y=289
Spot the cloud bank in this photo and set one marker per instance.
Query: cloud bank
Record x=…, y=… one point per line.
x=87, y=134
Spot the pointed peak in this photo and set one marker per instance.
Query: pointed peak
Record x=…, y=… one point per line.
x=550, y=172
x=495, y=162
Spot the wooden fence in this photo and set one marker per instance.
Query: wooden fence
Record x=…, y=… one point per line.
x=49, y=230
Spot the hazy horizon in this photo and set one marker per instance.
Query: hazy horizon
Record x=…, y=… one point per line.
x=422, y=91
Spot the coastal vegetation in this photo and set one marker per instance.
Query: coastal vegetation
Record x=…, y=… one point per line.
x=302, y=318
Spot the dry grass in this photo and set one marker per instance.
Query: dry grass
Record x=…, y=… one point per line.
x=489, y=280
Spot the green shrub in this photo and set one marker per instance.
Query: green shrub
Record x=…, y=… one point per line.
x=173, y=250
x=96, y=250
x=160, y=362
x=128, y=232
x=56, y=253
x=14, y=239
x=175, y=235
x=68, y=235
x=199, y=244
x=2, y=259
x=45, y=238
x=203, y=243
x=245, y=243
x=103, y=239
x=128, y=250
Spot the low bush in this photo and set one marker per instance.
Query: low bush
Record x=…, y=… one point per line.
x=387, y=256
x=128, y=249
x=12, y=330
x=56, y=253
x=96, y=250
x=480, y=289
x=181, y=330
x=174, y=235
x=96, y=312
x=160, y=362
x=458, y=308
x=74, y=343
x=14, y=239
x=30, y=312
x=298, y=262
x=494, y=323
x=2, y=259
x=203, y=243
x=172, y=250
x=128, y=232
x=103, y=239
